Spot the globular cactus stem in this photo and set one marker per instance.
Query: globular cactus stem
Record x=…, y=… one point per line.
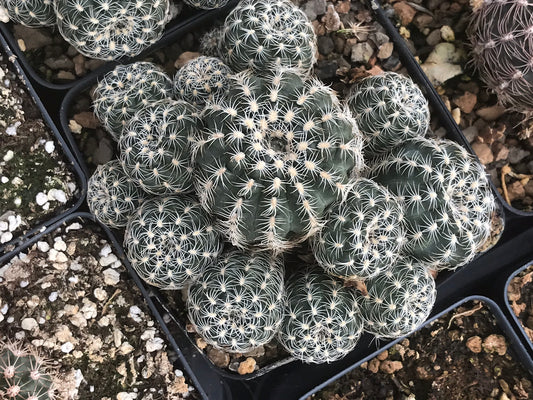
x=32, y=13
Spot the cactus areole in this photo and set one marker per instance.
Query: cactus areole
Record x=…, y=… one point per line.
x=274, y=153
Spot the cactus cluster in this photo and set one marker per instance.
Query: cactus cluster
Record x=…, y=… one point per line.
x=502, y=50
x=110, y=30
x=112, y=196
x=170, y=241
x=322, y=321
x=389, y=108
x=155, y=147
x=24, y=374
x=32, y=13
x=237, y=304
x=447, y=198
x=127, y=89
x=201, y=80
x=363, y=234
x=263, y=35
x=398, y=300
x=273, y=154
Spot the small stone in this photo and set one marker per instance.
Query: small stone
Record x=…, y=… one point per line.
x=405, y=12
x=219, y=357
x=33, y=38
x=41, y=199
x=60, y=245
x=9, y=155
x=126, y=348
x=331, y=19
x=247, y=366
x=361, y=52
x=447, y=33
x=154, y=344
x=4, y=225
x=53, y=296
x=59, y=62
x=325, y=45
x=495, y=344
x=100, y=294
x=343, y=7
x=500, y=151
x=385, y=50
x=484, y=152
x=104, y=151
x=373, y=365
x=49, y=147
x=422, y=20
x=456, y=115
x=105, y=251
x=390, y=367
x=66, y=75
x=433, y=38
x=185, y=57
x=67, y=347
x=108, y=260
x=87, y=119
x=111, y=276
x=21, y=44
x=43, y=246
x=470, y=133
x=79, y=64
x=6, y=237
x=313, y=8
x=201, y=343
x=466, y=102
x=58, y=195
x=516, y=191
x=74, y=126
x=383, y=355
x=491, y=113
x=29, y=324
x=474, y=344
x=517, y=154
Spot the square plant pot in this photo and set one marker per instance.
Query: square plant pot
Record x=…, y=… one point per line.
x=517, y=299
x=188, y=19
x=41, y=178
x=470, y=337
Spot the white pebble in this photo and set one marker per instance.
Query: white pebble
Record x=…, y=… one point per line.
x=126, y=396
x=4, y=309
x=79, y=377
x=43, y=246
x=178, y=372
x=154, y=344
x=14, y=222
x=148, y=334
x=23, y=284
x=111, y=277
x=20, y=335
x=17, y=202
x=49, y=147
x=58, y=194
x=60, y=245
x=4, y=179
x=108, y=260
x=136, y=313
x=10, y=319
x=73, y=279
x=53, y=296
x=45, y=285
x=41, y=321
x=16, y=181
x=6, y=237
x=106, y=250
x=41, y=199
x=9, y=155
x=12, y=129
x=74, y=227
x=4, y=226
x=67, y=347
x=28, y=324
x=100, y=294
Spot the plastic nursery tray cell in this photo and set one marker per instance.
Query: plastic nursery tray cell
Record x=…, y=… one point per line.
x=435, y=33
x=519, y=300
x=467, y=351
x=40, y=179
x=53, y=64
x=69, y=295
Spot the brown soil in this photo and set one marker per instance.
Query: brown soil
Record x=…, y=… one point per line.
x=520, y=295
x=462, y=355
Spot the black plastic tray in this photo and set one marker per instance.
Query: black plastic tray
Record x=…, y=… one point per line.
x=187, y=20
x=515, y=345
x=81, y=179
x=290, y=379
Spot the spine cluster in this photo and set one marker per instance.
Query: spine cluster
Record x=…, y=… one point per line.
x=32, y=13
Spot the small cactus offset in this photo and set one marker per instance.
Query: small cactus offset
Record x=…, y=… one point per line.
x=112, y=196
x=24, y=374
x=206, y=4
x=201, y=80
x=363, y=234
x=502, y=50
x=388, y=108
x=273, y=155
x=264, y=34
x=210, y=43
x=155, y=147
x=322, y=320
x=399, y=300
x=170, y=240
x=125, y=90
x=109, y=30
x=447, y=198
x=237, y=304
x=32, y=13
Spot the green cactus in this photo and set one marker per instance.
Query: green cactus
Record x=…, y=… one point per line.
x=210, y=42
x=125, y=90
x=170, y=241
x=206, y=4
x=237, y=304
x=155, y=147
x=201, y=80
x=24, y=374
x=112, y=196
x=399, y=300
x=389, y=108
x=322, y=320
x=32, y=13
x=502, y=50
x=264, y=34
x=447, y=198
x=363, y=234
x=274, y=154
x=110, y=30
